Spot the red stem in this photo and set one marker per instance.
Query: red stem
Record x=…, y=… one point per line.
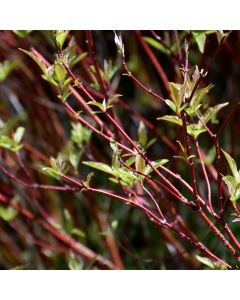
x=206, y=178
x=154, y=61
x=60, y=235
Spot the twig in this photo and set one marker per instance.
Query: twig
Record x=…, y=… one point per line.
x=186, y=136
x=60, y=235
x=154, y=61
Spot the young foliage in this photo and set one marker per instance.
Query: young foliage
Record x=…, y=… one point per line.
x=121, y=173
x=72, y=222
x=69, y=225
x=22, y=33
x=60, y=37
x=200, y=36
x=74, y=262
x=110, y=69
x=36, y=59
x=57, y=167
x=194, y=108
x=14, y=143
x=232, y=182
x=56, y=75
x=8, y=214
x=157, y=45
x=210, y=263
x=106, y=104
x=80, y=136
x=6, y=67
x=119, y=43
x=222, y=36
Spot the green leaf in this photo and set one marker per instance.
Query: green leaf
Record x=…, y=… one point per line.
x=53, y=163
x=68, y=221
x=233, y=166
x=195, y=130
x=78, y=232
x=182, y=148
x=8, y=214
x=22, y=33
x=113, y=145
x=155, y=44
x=140, y=163
x=95, y=85
x=6, y=67
x=10, y=144
x=171, y=105
x=222, y=36
x=171, y=119
x=114, y=225
x=50, y=76
x=74, y=262
x=65, y=92
x=99, y=166
x=61, y=162
x=198, y=96
x=58, y=165
x=207, y=32
x=6, y=142
x=184, y=158
x=210, y=156
x=117, y=180
x=176, y=92
x=87, y=181
x=110, y=69
x=80, y=134
x=51, y=172
x=235, y=195
x=126, y=179
x=105, y=104
x=59, y=72
x=150, y=143
x=233, y=187
x=112, y=99
x=157, y=163
x=74, y=156
x=230, y=182
x=200, y=38
x=126, y=176
x=130, y=161
x=210, y=114
x=119, y=43
x=18, y=134
x=36, y=59
x=115, y=159
x=61, y=36
x=236, y=220
x=195, y=77
x=142, y=134
x=206, y=261
x=99, y=105
x=191, y=111
x=77, y=59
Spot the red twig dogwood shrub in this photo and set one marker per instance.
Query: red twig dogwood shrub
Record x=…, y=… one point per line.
x=118, y=150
